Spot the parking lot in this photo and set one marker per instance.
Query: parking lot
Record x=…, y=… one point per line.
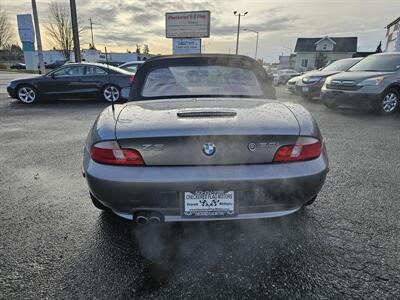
x=55, y=244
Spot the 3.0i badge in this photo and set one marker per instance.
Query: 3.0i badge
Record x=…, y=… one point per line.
x=263, y=145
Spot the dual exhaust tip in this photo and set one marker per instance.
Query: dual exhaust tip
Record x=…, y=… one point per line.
x=152, y=218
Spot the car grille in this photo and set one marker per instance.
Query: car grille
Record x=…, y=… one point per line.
x=343, y=87
x=291, y=83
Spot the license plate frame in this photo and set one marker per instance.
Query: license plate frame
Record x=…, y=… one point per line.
x=209, y=204
x=305, y=89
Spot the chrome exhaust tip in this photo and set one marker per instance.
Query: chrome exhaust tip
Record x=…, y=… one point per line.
x=141, y=219
x=154, y=220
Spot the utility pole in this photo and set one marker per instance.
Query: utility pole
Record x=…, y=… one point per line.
x=91, y=30
x=38, y=38
x=238, y=29
x=255, y=31
x=75, y=32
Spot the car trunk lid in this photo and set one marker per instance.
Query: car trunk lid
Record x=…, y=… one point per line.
x=206, y=131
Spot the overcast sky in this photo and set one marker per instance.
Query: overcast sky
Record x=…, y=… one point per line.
x=121, y=24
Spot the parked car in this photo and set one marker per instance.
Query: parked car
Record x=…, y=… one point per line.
x=374, y=81
x=291, y=84
x=131, y=66
x=201, y=139
x=56, y=64
x=18, y=66
x=311, y=83
x=282, y=76
x=76, y=80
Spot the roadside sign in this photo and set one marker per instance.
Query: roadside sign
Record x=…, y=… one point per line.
x=25, y=28
x=194, y=24
x=186, y=46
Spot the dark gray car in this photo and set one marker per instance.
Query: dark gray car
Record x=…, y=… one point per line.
x=203, y=139
x=375, y=81
x=310, y=84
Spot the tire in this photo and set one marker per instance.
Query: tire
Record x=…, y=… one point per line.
x=27, y=94
x=389, y=103
x=311, y=201
x=97, y=203
x=111, y=93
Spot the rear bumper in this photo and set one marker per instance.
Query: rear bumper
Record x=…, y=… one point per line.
x=261, y=191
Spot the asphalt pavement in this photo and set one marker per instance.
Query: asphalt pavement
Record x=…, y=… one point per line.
x=56, y=245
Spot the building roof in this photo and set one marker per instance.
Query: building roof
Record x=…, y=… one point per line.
x=393, y=23
x=343, y=44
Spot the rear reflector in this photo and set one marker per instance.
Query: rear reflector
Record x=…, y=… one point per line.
x=304, y=149
x=111, y=154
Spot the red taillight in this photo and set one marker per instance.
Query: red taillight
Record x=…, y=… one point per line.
x=305, y=149
x=131, y=78
x=109, y=153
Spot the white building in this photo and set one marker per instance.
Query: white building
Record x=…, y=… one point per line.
x=331, y=48
x=393, y=36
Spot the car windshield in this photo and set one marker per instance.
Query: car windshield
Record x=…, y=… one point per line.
x=378, y=63
x=201, y=81
x=340, y=65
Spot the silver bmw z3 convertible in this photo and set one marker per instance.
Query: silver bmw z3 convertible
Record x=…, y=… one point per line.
x=203, y=138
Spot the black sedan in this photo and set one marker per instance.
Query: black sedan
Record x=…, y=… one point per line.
x=76, y=80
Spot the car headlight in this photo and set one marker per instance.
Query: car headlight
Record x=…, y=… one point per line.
x=312, y=79
x=375, y=81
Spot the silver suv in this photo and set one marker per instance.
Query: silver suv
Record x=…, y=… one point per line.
x=374, y=81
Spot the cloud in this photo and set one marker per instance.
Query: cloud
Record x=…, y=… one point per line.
x=270, y=24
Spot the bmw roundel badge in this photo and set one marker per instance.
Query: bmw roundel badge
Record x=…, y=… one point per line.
x=209, y=149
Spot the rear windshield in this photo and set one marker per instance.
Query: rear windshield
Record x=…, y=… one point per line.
x=378, y=63
x=207, y=80
x=341, y=65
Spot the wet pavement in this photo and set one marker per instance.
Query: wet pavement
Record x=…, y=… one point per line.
x=55, y=244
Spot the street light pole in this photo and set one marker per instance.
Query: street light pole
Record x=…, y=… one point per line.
x=91, y=31
x=238, y=29
x=255, y=31
x=38, y=38
x=75, y=32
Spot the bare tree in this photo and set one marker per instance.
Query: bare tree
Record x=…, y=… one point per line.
x=59, y=28
x=6, y=31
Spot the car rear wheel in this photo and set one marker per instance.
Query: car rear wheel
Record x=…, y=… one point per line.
x=27, y=94
x=97, y=203
x=389, y=103
x=111, y=93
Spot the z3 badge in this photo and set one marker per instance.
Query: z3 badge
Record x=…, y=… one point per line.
x=153, y=147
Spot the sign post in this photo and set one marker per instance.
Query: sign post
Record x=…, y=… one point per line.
x=186, y=29
x=38, y=38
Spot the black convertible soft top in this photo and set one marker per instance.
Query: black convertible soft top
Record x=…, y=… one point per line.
x=201, y=60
